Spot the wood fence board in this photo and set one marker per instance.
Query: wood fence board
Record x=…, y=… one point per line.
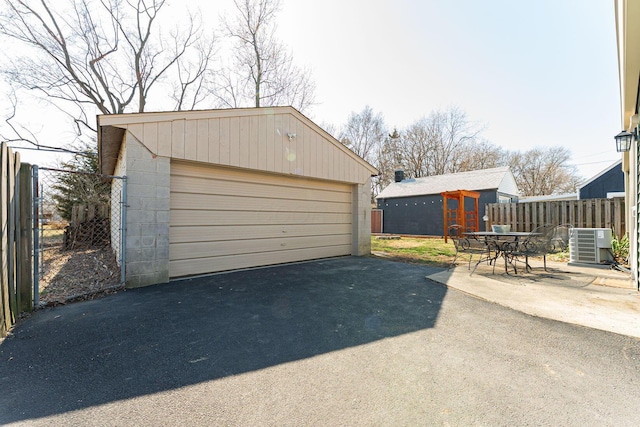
x=520, y=216
x=15, y=246
x=540, y=220
x=376, y=221
x=589, y=213
x=25, y=284
x=11, y=235
x=17, y=250
x=579, y=217
x=618, y=221
x=7, y=320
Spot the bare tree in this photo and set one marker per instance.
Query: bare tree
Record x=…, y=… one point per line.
x=331, y=129
x=450, y=134
x=439, y=143
x=448, y=142
x=364, y=133
x=104, y=55
x=481, y=154
x=418, y=142
x=543, y=171
x=263, y=72
x=388, y=159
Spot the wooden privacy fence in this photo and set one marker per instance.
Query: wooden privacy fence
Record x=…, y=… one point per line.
x=16, y=270
x=376, y=220
x=588, y=213
x=90, y=226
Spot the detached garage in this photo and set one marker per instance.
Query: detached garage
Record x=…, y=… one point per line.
x=218, y=190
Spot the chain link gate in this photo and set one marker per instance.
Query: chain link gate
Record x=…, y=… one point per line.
x=79, y=237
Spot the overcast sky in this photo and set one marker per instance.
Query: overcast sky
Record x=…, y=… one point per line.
x=541, y=73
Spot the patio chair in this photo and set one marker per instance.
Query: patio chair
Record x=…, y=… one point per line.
x=560, y=239
x=544, y=240
x=468, y=245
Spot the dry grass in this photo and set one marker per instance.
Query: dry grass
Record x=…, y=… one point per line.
x=429, y=251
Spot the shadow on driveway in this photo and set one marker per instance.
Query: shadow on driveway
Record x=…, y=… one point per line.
x=167, y=336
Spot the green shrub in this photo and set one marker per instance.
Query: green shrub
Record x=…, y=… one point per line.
x=620, y=249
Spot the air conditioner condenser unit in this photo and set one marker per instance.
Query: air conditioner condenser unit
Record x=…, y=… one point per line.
x=590, y=245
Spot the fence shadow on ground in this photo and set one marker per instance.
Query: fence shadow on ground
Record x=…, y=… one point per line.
x=164, y=337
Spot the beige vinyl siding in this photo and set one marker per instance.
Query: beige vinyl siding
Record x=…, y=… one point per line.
x=225, y=219
x=253, y=139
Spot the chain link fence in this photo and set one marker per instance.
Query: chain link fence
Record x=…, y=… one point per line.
x=79, y=234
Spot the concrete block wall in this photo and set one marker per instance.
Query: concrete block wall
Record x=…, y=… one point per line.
x=147, y=237
x=361, y=220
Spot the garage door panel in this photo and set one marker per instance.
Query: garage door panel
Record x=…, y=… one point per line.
x=224, y=219
x=182, y=217
x=180, y=251
x=238, y=203
x=179, y=268
x=180, y=169
x=204, y=186
x=247, y=232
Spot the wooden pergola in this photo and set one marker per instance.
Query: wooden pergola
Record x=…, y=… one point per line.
x=467, y=220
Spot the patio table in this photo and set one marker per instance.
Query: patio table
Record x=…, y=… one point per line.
x=501, y=244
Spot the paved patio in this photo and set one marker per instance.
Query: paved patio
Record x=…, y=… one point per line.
x=589, y=296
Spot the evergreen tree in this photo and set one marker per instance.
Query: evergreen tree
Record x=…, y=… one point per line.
x=82, y=185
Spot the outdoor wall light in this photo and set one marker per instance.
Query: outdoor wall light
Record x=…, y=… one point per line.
x=624, y=139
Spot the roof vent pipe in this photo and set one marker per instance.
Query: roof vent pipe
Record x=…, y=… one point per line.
x=399, y=175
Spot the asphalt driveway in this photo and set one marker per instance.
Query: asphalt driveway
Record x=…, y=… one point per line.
x=348, y=341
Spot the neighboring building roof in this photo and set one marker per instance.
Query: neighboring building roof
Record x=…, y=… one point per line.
x=486, y=179
x=589, y=181
x=615, y=194
x=551, y=198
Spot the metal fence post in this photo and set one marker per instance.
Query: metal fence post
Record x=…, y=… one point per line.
x=123, y=231
x=36, y=237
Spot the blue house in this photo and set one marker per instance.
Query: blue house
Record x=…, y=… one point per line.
x=415, y=206
x=605, y=184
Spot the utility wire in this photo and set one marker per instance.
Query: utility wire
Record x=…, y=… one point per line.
x=594, y=154
x=593, y=163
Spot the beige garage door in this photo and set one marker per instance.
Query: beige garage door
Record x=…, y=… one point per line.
x=225, y=219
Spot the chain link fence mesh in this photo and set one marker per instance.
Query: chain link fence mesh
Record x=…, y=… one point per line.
x=80, y=234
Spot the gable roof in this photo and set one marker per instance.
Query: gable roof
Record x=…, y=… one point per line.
x=589, y=181
x=485, y=179
x=156, y=131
